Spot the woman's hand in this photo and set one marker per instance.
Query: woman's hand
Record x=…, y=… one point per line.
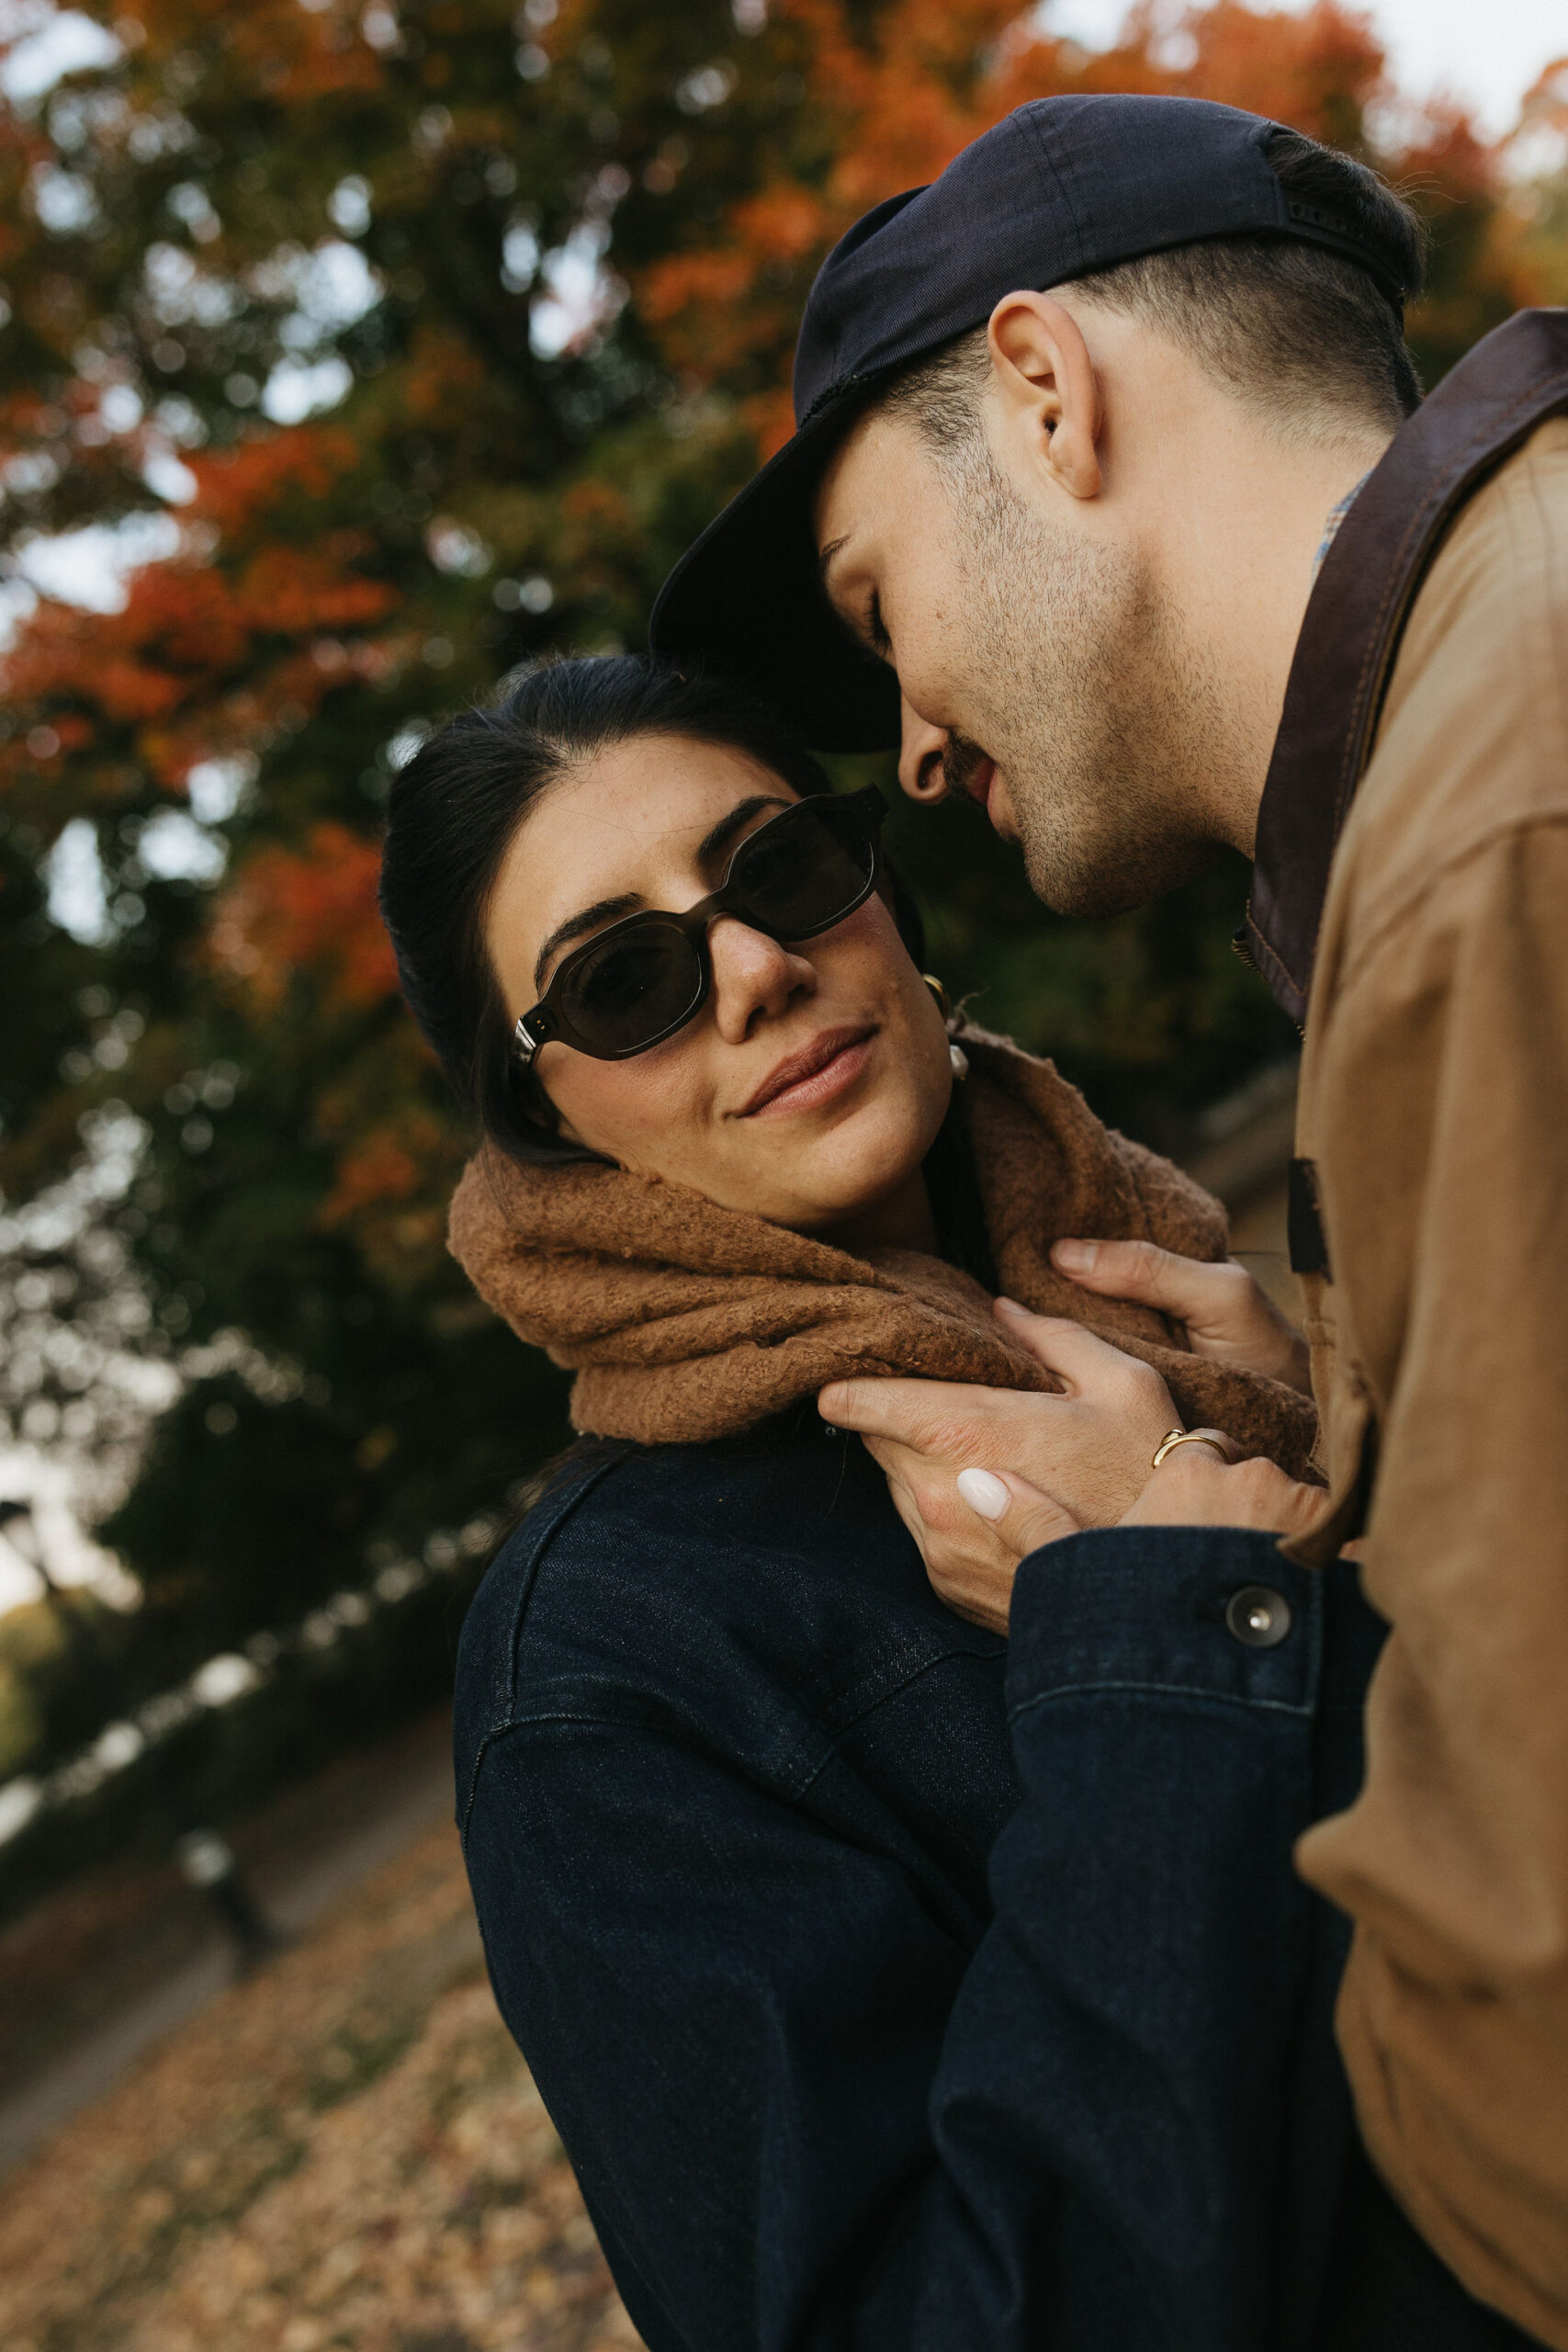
x=982, y=1476
x=972, y=1561
x=1090, y=1446
x=1079, y=1458
x=1228, y=1317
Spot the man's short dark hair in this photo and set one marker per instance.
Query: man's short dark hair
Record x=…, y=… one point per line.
x=1302, y=335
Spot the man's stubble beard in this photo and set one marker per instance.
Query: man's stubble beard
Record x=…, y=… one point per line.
x=1089, y=697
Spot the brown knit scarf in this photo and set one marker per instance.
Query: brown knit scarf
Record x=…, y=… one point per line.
x=685, y=1322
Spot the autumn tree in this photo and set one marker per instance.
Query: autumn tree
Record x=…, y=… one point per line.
x=417, y=340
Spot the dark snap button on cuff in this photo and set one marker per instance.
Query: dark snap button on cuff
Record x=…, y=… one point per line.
x=1259, y=1616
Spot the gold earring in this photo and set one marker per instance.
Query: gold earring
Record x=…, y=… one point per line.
x=956, y=1053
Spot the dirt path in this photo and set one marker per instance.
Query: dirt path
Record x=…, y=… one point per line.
x=343, y=2151
x=98, y=1972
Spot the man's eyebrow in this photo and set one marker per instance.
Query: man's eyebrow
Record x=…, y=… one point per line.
x=603, y=910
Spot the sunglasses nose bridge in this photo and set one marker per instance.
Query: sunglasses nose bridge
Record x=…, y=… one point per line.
x=747, y=921
x=754, y=973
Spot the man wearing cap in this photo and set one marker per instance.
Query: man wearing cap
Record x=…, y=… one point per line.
x=1112, y=499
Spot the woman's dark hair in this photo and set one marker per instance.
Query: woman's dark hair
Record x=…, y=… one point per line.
x=453, y=811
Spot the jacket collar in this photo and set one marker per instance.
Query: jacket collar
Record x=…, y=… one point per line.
x=1484, y=409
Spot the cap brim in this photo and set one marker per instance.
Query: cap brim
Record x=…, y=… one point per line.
x=746, y=601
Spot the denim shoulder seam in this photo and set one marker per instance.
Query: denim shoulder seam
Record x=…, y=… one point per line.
x=500, y=1731
x=560, y=1509
x=795, y=1761
x=538, y=1718
x=555, y=1514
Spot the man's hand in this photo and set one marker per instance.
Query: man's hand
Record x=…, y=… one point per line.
x=1228, y=1317
x=1193, y=1486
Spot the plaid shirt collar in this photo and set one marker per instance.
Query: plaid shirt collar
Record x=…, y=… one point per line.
x=1336, y=516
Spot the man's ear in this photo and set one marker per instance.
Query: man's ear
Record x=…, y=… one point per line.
x=1044, y=378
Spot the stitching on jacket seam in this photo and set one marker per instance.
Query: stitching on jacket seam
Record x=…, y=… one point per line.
x=894, y=1690
x=1428, y=516
x=1351, y=767
x=566, y=1504
x=1278, y=961
x=635, y=1724
x=1142, y=1689
x=1528, y=488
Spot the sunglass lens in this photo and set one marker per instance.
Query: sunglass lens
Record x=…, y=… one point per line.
x=635, y=986
x=804, y=872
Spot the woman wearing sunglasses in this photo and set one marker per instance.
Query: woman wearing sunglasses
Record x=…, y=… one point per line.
x=729, y=1772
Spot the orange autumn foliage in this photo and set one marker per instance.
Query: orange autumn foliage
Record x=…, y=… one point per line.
x=292, y=54
x=307, y=912
x=899, y=104
x=379, y=1167
x=249, y=484
x=899, y=109
x=196, y=660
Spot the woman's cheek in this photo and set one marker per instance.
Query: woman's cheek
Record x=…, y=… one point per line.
x=594, y=1101
x=640, y=1115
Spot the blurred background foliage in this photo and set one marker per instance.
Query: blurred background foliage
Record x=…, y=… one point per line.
x=386, y=346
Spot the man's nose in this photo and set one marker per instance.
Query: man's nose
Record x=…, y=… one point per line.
x=920, y=756
x=752, y=976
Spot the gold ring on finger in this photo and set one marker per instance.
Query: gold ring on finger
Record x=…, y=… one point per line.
x=1212, y=1438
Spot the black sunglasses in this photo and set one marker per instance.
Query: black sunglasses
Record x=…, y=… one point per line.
x=637, y=983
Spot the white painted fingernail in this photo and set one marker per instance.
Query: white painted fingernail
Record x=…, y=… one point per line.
x=984, y=1493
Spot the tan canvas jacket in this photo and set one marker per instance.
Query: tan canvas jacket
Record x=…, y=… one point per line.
x=1434, y=1111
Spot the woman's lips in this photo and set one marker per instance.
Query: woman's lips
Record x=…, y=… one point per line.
x=827, y=1066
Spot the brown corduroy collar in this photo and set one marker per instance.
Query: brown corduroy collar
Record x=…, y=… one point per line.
x=1512, y=380
x=685, y=1322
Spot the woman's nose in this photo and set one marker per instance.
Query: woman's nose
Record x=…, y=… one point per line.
x=920, y=756
x=753, y=975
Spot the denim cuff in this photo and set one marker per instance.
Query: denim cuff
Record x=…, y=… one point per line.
x=1213, y=1614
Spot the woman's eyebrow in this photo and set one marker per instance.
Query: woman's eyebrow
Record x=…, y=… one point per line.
x=610, y=910
x=727, y=827
x=602, y=911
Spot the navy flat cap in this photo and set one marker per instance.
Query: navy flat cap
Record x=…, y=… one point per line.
x=1059, y=189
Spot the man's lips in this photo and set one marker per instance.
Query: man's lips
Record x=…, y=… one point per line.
x=968, y=769
x=818, y=1071
x=978, y=782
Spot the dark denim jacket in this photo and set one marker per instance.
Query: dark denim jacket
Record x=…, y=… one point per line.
x=895, y=1989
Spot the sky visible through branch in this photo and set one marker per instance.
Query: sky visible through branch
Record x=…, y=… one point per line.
x=1435, y=47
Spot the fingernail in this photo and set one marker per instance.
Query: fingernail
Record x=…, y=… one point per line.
x=1008, y=1307
x=984, y=1493
x=1075, y=1257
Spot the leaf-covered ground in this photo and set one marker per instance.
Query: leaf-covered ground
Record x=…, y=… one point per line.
x=343, y=2151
